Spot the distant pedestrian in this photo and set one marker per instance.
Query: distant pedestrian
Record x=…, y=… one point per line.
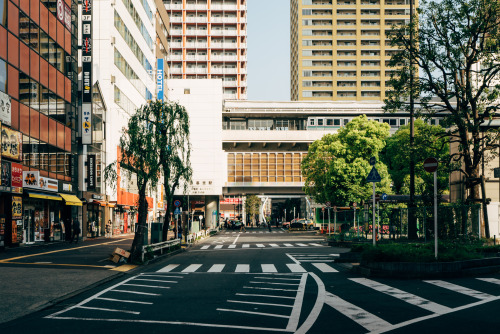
x=76, y=231
x=108, y=229
x=242, y=228
x=269, y=226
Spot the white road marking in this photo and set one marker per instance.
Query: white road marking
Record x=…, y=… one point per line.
x=124, y=301
x=231, y=246
x=245, y=246
x=402, y=295
x=137, y=292
x=271, y=289
x=168, y=268
x=253, y=303
x=274, y=245
x=318, y=305
x=162, y=276
x=369, y=321
x=313, y=244
x=280, y=278
x=293, y=258
x=325, y=268
x=242, y=268
x=148, y=286
x=295, y=268
x=461, y=289
x=205, y=247
x=108, y=310
x=288, y=245
x=260, y=245
x=302, y=245
x=257, y=295
x=297, y=306
x=256, y=313
x=154, y=280
x=218, y=246
x=236, y=239
x=216, y=268
x=271, y=283
x=490, y=280
x=192, y=268
x=269, y=268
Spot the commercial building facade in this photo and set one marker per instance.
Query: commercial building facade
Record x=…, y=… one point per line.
x=208, y=40
x=340, y=50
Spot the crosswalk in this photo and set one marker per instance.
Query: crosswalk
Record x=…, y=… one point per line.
x=254, y=232
x=261, y=245
x=247, y=268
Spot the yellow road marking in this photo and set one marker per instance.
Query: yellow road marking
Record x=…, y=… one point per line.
x=125, y=267
x=58, y=251
x=58, y=264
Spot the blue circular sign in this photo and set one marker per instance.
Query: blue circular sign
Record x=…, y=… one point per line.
x=177, y=203
x=384, y=196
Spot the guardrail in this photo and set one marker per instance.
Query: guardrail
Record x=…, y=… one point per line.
x=159, y=246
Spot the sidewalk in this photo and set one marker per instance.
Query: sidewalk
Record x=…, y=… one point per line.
x=35, y=277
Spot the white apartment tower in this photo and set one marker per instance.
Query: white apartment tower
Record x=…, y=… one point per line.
x=208, y=39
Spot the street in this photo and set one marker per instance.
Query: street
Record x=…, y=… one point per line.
x=257, y=282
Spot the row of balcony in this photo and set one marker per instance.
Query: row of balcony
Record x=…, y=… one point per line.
x=213, y=7
x=213, y=45
x=204, y=19
x=204, y=32
x=213, y=70
x=172, y=57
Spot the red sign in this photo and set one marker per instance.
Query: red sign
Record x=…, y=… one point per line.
x=17, y=177
x=231, y=201
x=430, y=165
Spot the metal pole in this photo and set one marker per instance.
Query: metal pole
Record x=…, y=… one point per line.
x=329, y=232
x=334, y=220
x=373, y=211
x=378, y=219
x=435, y=216
x=355, y=218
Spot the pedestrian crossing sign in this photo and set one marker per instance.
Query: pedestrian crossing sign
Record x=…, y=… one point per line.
x=374, y=176
x=177, y=211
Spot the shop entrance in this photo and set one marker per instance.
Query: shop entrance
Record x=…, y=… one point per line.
x=29, y=226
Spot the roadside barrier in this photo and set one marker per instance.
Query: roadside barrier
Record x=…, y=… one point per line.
x=159, y=247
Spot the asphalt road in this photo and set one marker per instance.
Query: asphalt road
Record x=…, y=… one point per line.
x=259, y=282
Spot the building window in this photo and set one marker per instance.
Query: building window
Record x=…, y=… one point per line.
x=307, y=94
x=306, y=11
x=3, y=12
x=3, y=75
x=187, y=91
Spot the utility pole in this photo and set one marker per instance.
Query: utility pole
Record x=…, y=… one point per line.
x=412, y=228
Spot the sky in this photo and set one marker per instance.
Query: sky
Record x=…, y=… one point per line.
x=268, y=50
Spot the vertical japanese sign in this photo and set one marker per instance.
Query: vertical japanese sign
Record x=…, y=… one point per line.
x=91, y=163
x=159, y=79
x=87, y=72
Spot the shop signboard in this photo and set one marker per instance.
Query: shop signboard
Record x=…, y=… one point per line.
x=5, y=108
x=91, y=172
x=86, y=114
x=11, y=144
x=17, y=178
x=33, y=180
x=17, y=207
x=5, y=177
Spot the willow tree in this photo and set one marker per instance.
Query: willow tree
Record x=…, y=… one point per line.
x=139, y=155
x=336, y=166
x=171, y=136
x=456, y=51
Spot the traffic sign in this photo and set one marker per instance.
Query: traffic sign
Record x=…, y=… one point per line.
x=334, y=208
x=374, y=176
x=430, y=165
x=328, y=204
x=373, y=161
x=354, y=204
x=177, y=203
x=177, y=211
x=323, y=209
x=384, y=196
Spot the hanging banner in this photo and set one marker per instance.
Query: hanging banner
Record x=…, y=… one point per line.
x=17, y=207
x=5, y=108
x=86, y=114
x=91, y=164
x=17, y=178
x=5, y=177
x=12, y=143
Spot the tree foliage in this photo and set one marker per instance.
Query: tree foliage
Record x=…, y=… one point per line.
x=252, y=205
x=139, y=156
x=336, y=167
x=456, y=53
x=428, y=143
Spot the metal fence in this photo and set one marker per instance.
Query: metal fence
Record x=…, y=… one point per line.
x=454, y=221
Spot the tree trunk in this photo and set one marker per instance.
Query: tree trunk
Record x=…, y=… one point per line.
x=136, y=251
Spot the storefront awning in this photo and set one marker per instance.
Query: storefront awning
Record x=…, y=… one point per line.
x=111, y=205
x=44, y=196
x=71, y=200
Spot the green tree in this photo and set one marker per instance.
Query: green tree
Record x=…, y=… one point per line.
x=252, y=205
x=336, y=167
x=139, y=156
x=171, y=124
x=456, y=53
x=428, y=142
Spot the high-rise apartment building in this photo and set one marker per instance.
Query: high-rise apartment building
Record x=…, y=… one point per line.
x=339, y=48
x=208, y=40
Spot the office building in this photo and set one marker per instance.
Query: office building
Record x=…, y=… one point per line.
x=208, y=40
x=339, y=48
